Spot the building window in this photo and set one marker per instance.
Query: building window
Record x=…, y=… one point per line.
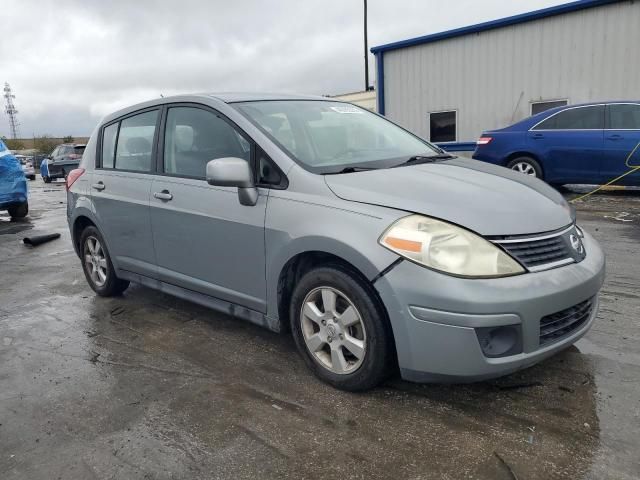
x=539, y=107
x=443, y=126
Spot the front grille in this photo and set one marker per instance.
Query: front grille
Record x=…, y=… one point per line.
x=557, y=325
x=539, y=252
x=542, y=252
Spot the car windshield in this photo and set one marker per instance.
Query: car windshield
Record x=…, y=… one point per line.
x=328, y=136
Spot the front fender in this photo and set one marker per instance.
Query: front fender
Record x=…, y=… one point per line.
x=294, y=227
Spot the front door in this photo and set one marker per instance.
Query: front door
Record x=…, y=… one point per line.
x=120, y=187
x=205, y=240
x=622, y=136
x=570, y=144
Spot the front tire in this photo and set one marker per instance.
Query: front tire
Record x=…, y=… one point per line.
x=19, y=211
x=340, y=328
x=526, y=165
x=97, y=266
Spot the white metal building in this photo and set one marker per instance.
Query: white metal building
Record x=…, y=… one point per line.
x=450, y=86
x=365, y=99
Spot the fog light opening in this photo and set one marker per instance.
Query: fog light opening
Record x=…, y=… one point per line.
x=500, y=341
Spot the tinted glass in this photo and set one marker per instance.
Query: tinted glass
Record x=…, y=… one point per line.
x=79, y=150
x=539, y=107
x=327, y=136
x=624, y=117
x=194, y=137
x=109, y=145
x=582, y=118
x=442, y=127
x=135, y=142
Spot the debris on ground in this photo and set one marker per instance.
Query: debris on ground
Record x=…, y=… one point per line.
x=36, y=240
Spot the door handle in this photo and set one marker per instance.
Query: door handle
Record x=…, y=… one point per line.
x=537, y=136
x=614, y=137
x=164, y=195
x=98, y=186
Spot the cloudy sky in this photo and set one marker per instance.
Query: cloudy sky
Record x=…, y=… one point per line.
x=69, y=62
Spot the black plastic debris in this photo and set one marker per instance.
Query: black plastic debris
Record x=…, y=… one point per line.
x=40, y=239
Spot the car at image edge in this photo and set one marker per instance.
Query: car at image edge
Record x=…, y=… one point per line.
x=588, y=143
x=13, y=185
x=374, y=248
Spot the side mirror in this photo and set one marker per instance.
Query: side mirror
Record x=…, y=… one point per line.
x=233, y=172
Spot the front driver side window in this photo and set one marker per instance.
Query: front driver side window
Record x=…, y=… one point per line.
x=194, y=136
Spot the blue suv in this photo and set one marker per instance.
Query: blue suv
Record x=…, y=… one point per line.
x=588, y=143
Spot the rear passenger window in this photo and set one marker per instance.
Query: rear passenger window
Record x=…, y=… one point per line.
x=582, y=118
x=135, y=142
x=194, y=136
x=624, y=117
x=109, y=145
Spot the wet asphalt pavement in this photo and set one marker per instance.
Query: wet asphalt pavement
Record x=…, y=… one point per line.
x=147, y=386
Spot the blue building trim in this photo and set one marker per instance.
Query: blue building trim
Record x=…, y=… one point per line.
x=380, y=82
x=457, y=146
x=477, y=28
x=493, y=24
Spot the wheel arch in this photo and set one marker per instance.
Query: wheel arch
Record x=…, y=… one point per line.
x=79, y=224
x=299, y=263
x=525, y=153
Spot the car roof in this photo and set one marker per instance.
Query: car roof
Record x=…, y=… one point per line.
x=226, y=97
x=232, y=97
x=538, y=117
x=72, y=145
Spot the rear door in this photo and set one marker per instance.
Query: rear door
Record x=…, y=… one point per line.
x=120, y=189
x=570, y=143
x=622, y=136
x=205, y=240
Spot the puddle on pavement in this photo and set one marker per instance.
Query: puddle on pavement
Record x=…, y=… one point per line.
x=9, y=227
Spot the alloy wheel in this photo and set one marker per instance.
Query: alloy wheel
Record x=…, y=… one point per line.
x=524, y=167
x=333, y=330
x=95, y=261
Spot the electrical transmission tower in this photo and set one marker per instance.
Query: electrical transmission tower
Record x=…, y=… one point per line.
x=10, y=109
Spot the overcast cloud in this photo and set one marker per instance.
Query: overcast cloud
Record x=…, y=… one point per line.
x=70, y=62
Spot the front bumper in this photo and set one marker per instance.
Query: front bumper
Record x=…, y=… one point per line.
x=434, y=316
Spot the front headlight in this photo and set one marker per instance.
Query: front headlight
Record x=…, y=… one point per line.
x=445, y=247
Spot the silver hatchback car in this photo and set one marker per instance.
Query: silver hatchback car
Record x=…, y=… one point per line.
x=376, y=249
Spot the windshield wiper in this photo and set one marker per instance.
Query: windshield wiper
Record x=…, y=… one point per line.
x=350, y=170
x=417, y=159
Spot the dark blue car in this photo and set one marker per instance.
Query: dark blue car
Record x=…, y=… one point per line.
x=588, y=143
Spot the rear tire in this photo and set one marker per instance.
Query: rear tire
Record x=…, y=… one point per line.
x=32, y=178
x=340, y=329
x=46, y=179
x=97, y=266
x=526, y=165
x=19, y=211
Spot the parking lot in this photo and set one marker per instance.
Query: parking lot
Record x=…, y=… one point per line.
x=148, y=386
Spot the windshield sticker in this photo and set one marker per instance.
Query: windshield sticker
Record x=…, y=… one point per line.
x=346, y=109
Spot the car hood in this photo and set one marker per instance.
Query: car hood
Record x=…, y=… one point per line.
x=485, y=198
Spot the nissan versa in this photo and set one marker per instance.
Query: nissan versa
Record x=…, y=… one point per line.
x=373, y=247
